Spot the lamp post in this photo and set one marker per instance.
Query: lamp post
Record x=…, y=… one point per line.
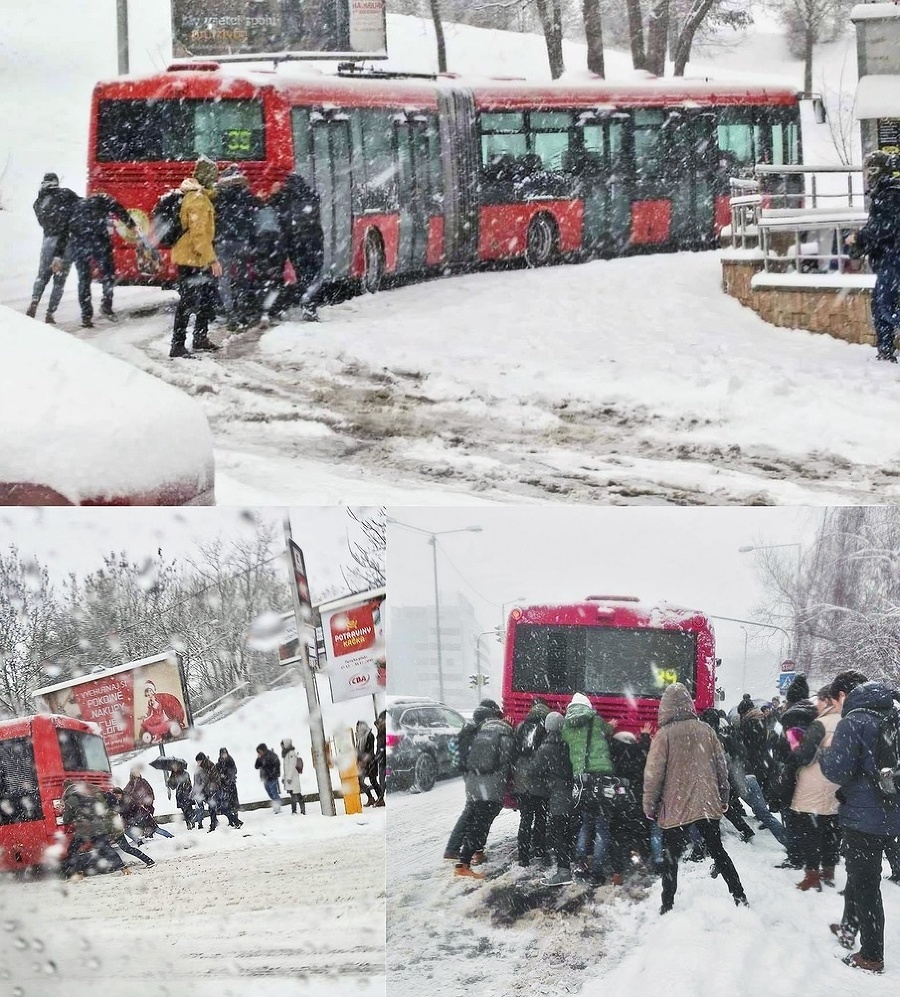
x=432, y=539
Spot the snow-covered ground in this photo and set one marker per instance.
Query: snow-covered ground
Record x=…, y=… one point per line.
x=287, y=906
x=506, y=936
x=572, y=383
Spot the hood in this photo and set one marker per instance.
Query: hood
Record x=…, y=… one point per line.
x=799, y=714
x=675, y=704
x=538, y=711
x=482, y=713
x=189, y=184
x=287, y=744
x=579, y=714
x=869, y=696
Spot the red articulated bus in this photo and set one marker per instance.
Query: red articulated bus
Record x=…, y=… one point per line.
x=37, y=754
x=438, y=174
x=619, y=653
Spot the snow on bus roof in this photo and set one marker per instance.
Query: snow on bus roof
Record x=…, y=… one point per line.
x=660, y=610
x=91, y=427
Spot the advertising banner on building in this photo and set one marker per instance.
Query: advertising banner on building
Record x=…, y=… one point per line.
x=354, y=645
x=210, y=28
x=141, y=703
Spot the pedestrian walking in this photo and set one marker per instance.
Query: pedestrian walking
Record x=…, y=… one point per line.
x=269, y=768
x=140, y=805
x=867, y=820
x=205, y=791
x=53, y=208
x=380, y=755
x=365, y=762
x=236, y=210
x=195, y=257
x=179, y=781
x=292, y=768
x=227, y=801
x=879, y=239
x=686, y=786
x=296, y=205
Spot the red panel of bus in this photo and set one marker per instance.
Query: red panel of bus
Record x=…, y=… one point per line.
x=617, y=652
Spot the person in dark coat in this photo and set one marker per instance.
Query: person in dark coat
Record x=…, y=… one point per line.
x=380, y=754
x=269, y=767
x=532, y=808
x=867, y=821
x=236, y=213
x=53, y=209
x=297, y=206
x=85, y=807
x=88, y=241
x=179, y=781
x=755, y=737
x=551, y=780
x=138, y=807
x=879, y=239
x=206, y=791
x=269, y=258
x=116, y=803
x=227, y=799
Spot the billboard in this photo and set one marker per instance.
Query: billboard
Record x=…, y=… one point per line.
x=215, y=28
x=137, y=704
x=354, y=645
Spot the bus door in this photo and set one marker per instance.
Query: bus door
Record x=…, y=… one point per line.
x=414, y=192
x=691, y=148
x=603, y=181
x=332, y=181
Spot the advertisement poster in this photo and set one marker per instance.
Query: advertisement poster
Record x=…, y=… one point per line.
x=142, y=703
x=354, y=645
x=202, y=28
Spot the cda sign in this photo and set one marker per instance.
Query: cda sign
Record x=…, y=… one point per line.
x=354, y=645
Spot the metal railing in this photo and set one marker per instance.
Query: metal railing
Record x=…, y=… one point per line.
x=805, y=243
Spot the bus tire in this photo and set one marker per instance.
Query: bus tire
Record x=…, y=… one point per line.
x=424, y=774
x=373, y=262
x=541, y=241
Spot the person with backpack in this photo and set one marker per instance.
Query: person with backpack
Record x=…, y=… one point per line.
x=236, y=212
x=292, y=768
x=686, y=786
x=532, y=808
x=53, y=208
x=585, y=733
x=863, y=746
x=486, y=708
x=195, y=257
x=550, y=779
x=269, y=767
x=296, y=205
x=488, y=765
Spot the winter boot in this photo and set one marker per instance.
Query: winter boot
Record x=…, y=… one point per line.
x=811, y=881
x=562, y=877
x=49, y=319
x=463, y=870
x=180, y=350
x=845, y=936
x=479, y=858
x=451, y=856
x=31, y=311
x=618, y=879
x=856, y=961
x=828, y=875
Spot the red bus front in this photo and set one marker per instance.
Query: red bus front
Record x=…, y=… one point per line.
x=37, y=754
x=620, y=654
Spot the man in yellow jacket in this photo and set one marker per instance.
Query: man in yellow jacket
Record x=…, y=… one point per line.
x=195, y=257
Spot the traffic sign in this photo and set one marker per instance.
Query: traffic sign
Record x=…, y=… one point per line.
x=785, y=679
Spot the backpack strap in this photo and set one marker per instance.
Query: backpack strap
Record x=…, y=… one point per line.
x=587, y=745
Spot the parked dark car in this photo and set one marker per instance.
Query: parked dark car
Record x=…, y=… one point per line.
x=422, y=742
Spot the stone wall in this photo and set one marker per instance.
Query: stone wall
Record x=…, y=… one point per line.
x=842, y=312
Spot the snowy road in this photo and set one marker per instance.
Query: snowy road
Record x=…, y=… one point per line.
x=286, y=907
x=569, y=383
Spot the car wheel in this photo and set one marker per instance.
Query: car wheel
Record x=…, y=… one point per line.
x=541, y=241
x=424, y=774
x=373, y=255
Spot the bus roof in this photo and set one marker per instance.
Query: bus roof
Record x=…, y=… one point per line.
x=622, y=612
x=20, y=726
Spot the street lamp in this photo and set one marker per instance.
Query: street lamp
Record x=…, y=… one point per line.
x=433, y=535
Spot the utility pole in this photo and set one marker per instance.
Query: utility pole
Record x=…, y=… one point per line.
x=122, y=35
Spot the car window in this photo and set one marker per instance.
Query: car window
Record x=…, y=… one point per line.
x=432, y=717
x=451, y=719
x=412, y=718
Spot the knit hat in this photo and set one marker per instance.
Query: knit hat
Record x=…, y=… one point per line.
x=797, y=690
x=50, y=180
x=490, y=704
x=745, y=705
x=231, y=176
x=206, y=172
x=262, y=747
x=579, y=699
x=626, y=736
x=553, y=721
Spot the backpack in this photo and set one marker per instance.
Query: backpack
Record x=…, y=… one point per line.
x=165, y=220
x=484, y=756
x=887, y=756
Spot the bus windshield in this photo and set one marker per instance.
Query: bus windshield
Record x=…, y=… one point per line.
x=82, y=752
x=602, y=660
x=159, y=130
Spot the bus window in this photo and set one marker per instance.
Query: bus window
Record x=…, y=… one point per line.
x=20, y=800
x=303, y=161
x=179, y=130
x=82, y=752
x=502, y=138
x=648, y=157
x=377, y=162
x=435, y=165
x=550, y=135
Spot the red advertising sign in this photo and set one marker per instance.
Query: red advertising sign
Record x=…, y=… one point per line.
x=354, y=645
x=143, y=702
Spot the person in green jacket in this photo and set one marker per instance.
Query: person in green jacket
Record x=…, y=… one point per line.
x=585, y=733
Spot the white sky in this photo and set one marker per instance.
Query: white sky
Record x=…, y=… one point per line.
x=76, y=540
x=684, y=556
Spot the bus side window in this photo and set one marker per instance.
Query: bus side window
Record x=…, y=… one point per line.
x=303, y=158
x=20, y=799
x=379, y=187
x=648, y=145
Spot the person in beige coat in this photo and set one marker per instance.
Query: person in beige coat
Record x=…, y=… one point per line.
x=685, y=787
x=814, y=805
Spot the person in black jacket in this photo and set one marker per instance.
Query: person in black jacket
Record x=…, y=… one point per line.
x=297, y=206
x=551, y=780
x=532, y=808
x=236, y=214
x=228, y=802
x=88, y=241
x=52, y=208
x=268, y=765
x=179, y=780
x=879, y=239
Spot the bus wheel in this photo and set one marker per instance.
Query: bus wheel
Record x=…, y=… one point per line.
x=373, y=254
x=425, y=774
x=541, y=241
